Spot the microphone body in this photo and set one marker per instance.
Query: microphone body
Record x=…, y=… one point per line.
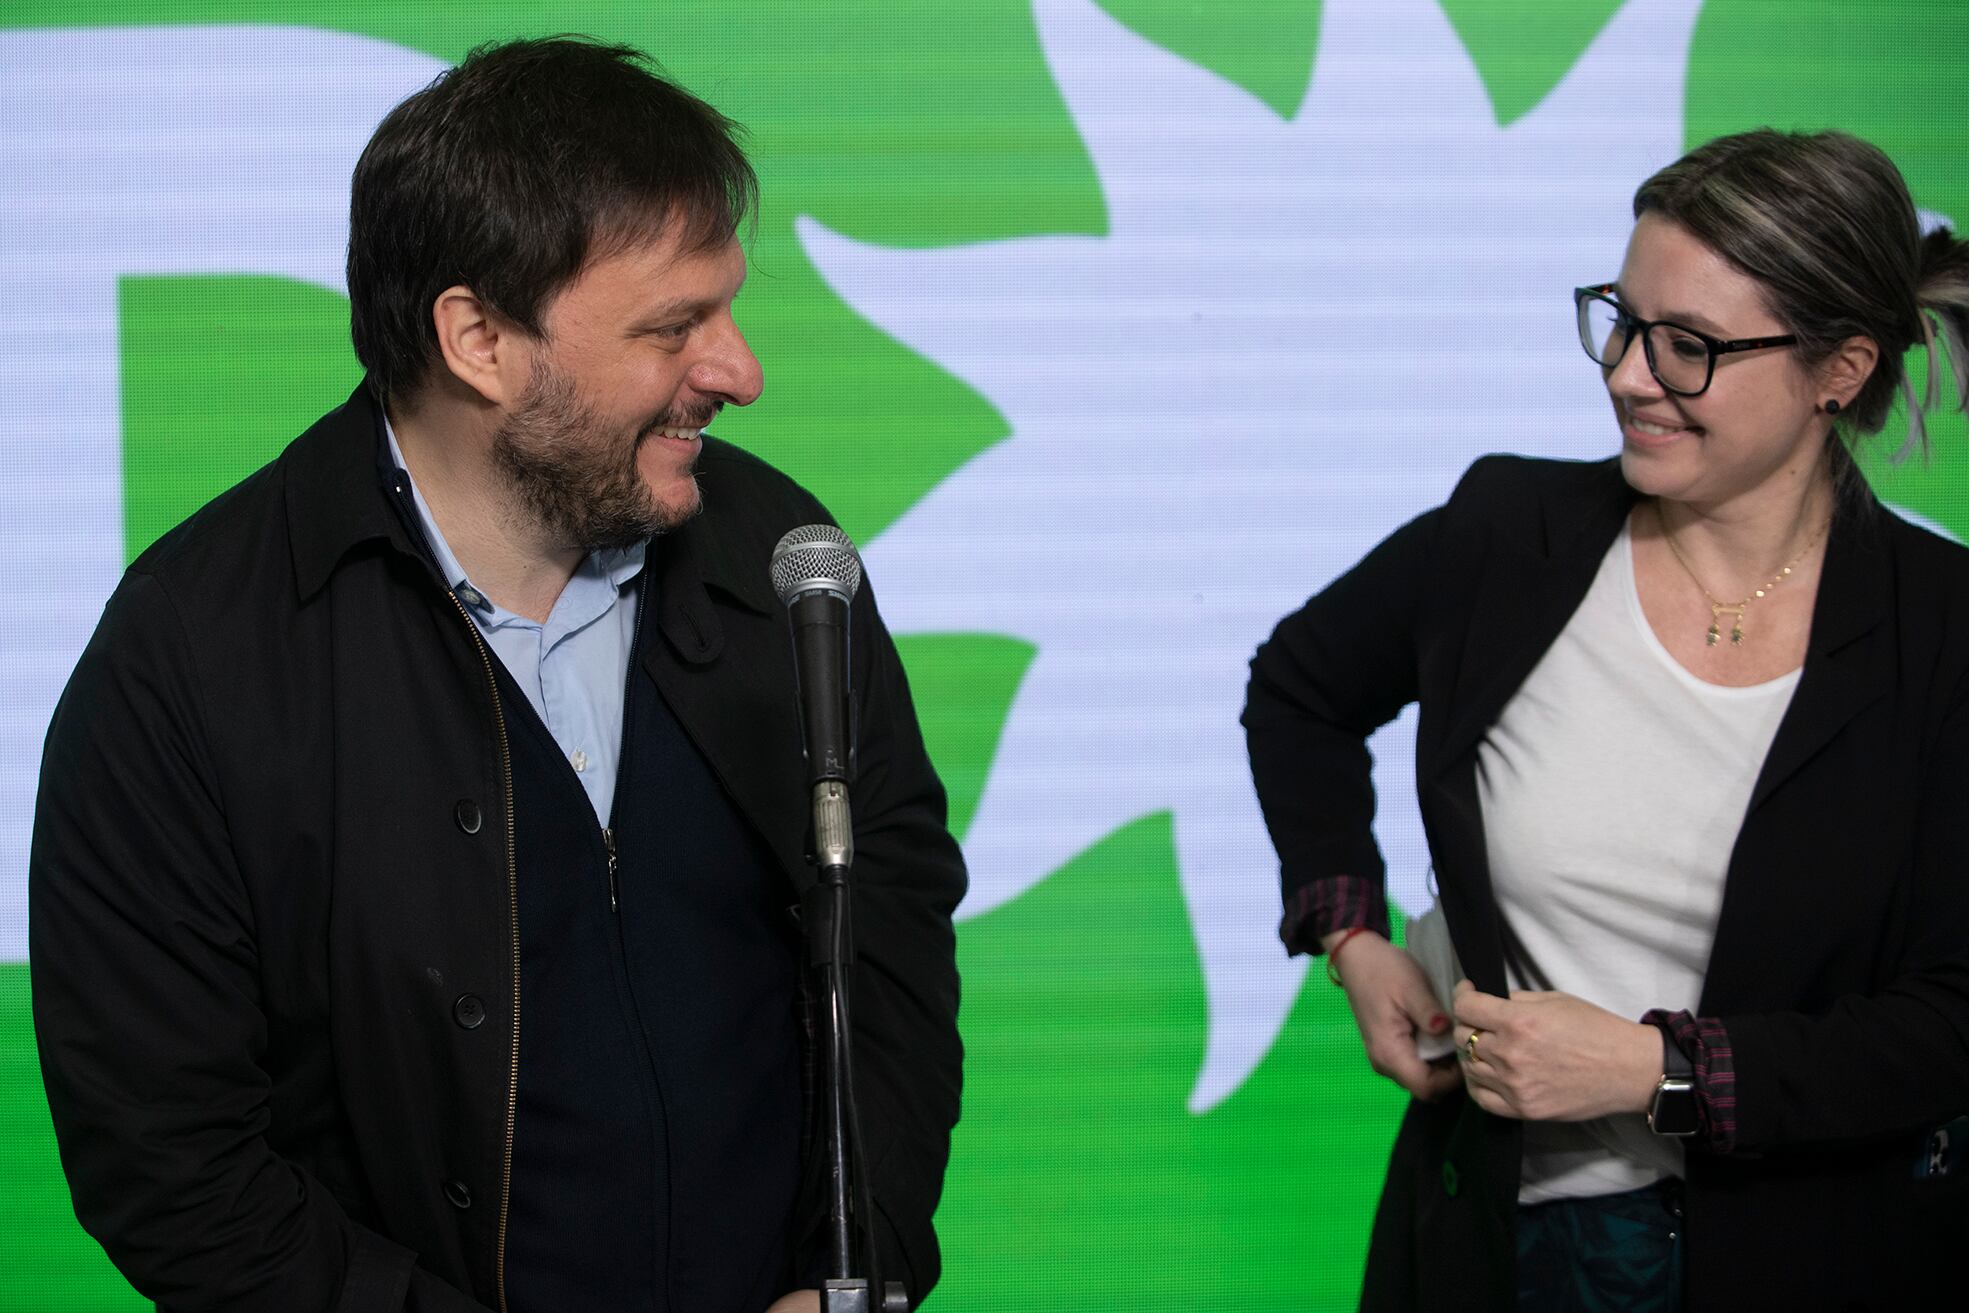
x=816, y=573
x=819, y=620
x=820, y=671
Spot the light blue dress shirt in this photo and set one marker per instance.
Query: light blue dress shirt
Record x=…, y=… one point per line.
x=574, y=668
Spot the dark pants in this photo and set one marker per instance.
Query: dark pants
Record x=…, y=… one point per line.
x=1616, y=1253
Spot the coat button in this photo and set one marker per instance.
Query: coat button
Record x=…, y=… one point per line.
x=466, y=813
x=458, y=1193
x=468, y=1011
x=1450, y=1182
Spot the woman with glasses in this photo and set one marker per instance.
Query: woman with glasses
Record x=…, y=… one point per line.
x=1693, y=760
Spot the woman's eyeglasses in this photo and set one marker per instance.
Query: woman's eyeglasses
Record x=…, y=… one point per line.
x=1681, y=359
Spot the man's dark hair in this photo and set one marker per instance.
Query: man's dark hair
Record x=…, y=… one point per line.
x=510, y=173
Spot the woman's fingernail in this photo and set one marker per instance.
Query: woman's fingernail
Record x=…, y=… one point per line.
x=1439, y=1023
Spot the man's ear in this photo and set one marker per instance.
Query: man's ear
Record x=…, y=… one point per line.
x=485, y=352
x=1847, y=369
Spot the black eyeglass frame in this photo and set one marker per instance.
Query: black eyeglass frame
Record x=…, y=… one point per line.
x=1644, y=329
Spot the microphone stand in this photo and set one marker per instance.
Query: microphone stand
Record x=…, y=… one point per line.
x=815, y=572
x=830, y=951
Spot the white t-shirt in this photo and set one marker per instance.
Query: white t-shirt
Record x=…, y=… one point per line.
x=1613, y=786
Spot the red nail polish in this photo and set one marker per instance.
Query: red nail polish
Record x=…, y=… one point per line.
x=1439, y=1023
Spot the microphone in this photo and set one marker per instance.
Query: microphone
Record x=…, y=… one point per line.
x=816, y=572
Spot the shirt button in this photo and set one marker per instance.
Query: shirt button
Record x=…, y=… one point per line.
x=468, y=1011
x=579, y=761
x=471, y=596
x=466, y=813
x=458, y=1193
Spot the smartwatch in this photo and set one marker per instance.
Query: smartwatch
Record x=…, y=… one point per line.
x=1673, y=1111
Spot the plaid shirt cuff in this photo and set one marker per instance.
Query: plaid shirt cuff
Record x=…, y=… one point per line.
x=1339, y=902
x=1708, y=1047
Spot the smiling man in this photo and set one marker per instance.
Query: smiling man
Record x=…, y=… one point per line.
x=421, y=836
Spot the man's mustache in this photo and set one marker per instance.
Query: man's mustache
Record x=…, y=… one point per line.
x=682, y=420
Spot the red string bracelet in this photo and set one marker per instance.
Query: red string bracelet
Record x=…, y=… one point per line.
x=1333, y=955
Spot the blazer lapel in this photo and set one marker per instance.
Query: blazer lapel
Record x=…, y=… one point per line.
x=1526, y=595
x=1849, y=664
x=1528, y=589
x=1842, y=674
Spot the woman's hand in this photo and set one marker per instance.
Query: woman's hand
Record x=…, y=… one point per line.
x=1554, y=1057
x=1391, y=1000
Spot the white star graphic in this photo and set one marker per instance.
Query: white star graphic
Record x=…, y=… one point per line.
x=1292, y=337
x=143, y=151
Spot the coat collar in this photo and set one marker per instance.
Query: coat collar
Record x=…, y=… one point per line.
x=710, y=553
x=723, y=555
x=333, y=490
x=337, y=501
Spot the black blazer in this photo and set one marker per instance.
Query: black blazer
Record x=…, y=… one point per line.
x=1841, y=960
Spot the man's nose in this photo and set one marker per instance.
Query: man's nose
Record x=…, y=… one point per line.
x=728, y=370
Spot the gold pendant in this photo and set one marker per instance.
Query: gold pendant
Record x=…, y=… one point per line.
x=1716, y=613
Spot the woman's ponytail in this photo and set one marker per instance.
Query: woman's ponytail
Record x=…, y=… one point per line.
x=1942, y=295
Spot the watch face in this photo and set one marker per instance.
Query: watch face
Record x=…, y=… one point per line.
x=1674, y=1110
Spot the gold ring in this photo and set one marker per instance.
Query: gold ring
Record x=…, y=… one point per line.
x=1470, y=1046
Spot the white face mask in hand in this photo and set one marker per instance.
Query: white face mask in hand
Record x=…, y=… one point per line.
x=1428, y=943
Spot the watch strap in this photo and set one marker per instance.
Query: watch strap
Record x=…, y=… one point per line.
x=1673, y=1110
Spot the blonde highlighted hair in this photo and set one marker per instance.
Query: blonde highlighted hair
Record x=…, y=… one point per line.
x=1824, y=222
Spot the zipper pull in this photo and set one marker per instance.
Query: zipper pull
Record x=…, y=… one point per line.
x=608, y=842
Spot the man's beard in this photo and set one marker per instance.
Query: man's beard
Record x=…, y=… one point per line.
x=577, y=480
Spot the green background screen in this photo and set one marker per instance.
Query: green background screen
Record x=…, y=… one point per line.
x=1109, y=330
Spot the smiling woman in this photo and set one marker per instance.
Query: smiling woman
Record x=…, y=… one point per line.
x=1693, y=721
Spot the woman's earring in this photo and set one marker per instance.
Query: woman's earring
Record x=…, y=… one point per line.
x=1832, y=405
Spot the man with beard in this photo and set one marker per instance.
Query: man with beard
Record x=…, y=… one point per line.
x=420, y=848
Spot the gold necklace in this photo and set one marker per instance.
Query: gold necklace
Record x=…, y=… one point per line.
x=1717, y=610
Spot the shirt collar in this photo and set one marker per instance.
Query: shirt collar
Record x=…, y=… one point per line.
x=618, y=565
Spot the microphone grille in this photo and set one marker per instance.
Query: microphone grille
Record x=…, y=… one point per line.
x=815, y=557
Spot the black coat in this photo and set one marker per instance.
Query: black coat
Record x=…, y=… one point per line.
x=272, y=853
x=1841, y=959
